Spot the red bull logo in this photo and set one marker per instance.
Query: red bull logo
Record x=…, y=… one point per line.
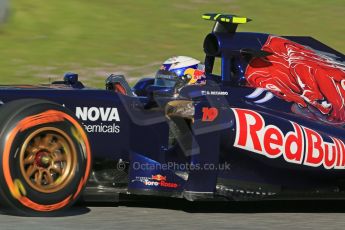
x=300, y=146
x=159, y=177
x=197, y=76
x=296, y=73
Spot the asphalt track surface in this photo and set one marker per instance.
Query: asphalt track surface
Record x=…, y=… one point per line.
x=177, y=214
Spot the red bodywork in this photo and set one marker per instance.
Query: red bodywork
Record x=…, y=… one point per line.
x=302, y=75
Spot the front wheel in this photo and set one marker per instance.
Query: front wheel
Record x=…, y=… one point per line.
x=46, y=157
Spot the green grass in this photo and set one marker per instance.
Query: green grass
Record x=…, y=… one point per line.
x=44, y=39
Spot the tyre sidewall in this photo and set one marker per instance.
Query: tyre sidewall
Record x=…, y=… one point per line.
x=46, y=202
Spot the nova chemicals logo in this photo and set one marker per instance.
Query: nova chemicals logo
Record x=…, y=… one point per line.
x=99, y=114
x=94, y=114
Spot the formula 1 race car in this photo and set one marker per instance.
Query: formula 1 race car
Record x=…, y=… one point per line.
x=270, y=126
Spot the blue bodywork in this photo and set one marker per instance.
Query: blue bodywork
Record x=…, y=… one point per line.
x=200, y=160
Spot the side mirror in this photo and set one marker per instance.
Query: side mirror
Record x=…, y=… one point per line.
x=248, y=54
x=118, y=84
x=71, y=78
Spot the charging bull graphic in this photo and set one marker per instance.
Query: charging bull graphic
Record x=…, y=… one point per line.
x=197, y=77
x=299, y=74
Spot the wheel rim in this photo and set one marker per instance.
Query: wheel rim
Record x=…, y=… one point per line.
x=48, y=159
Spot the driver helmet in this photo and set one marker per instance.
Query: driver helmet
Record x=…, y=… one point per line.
x=181, y=71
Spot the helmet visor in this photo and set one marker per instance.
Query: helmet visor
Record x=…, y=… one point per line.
x=165, y=78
